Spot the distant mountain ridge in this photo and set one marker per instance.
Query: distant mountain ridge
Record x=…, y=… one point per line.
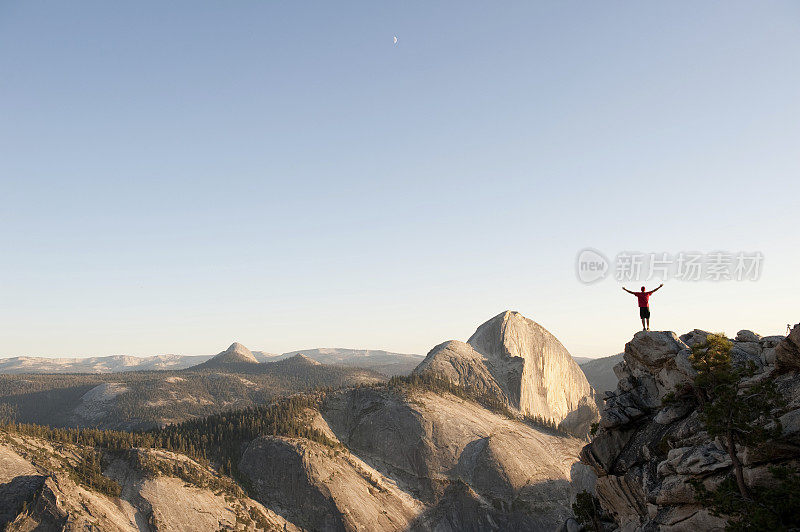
x=104, y=364
x=143, y=399
x=299, y=359
x=385, y=362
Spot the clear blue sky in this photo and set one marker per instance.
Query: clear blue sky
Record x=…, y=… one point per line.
x=175, y=176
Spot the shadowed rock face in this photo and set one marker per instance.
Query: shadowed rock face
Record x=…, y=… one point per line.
x=519, y=361
x=19, y=480
x=277, y=467
x=645, y=452
x=320, y=489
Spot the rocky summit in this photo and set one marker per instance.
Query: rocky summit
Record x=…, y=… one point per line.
x=648, y=448
x=235, y=354
x=520, y=362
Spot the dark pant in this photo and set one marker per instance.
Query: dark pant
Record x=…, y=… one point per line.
x=644, y=312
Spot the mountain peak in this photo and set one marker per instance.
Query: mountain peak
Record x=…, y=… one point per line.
x=236, y=347
x=235, y=354
x=524, y=364
x=301, y=358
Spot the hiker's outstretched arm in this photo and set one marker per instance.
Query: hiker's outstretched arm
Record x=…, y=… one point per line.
x=657, y=289
x=627, y=290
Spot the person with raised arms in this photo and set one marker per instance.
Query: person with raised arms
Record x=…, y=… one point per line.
x=644, y=305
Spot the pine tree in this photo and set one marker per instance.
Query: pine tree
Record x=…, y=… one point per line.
x=588, y=511
x=737, y=411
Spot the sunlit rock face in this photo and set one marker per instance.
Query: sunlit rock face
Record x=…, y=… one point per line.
x=520, y=361
x=551, y=384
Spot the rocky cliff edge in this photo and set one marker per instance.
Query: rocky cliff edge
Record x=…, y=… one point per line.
x=645, y=452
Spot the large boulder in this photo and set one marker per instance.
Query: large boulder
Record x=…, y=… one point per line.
x=747, y=336
x=653, y=349
x=695, y=337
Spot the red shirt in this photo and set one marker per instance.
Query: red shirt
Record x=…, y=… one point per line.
x=643, y=297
